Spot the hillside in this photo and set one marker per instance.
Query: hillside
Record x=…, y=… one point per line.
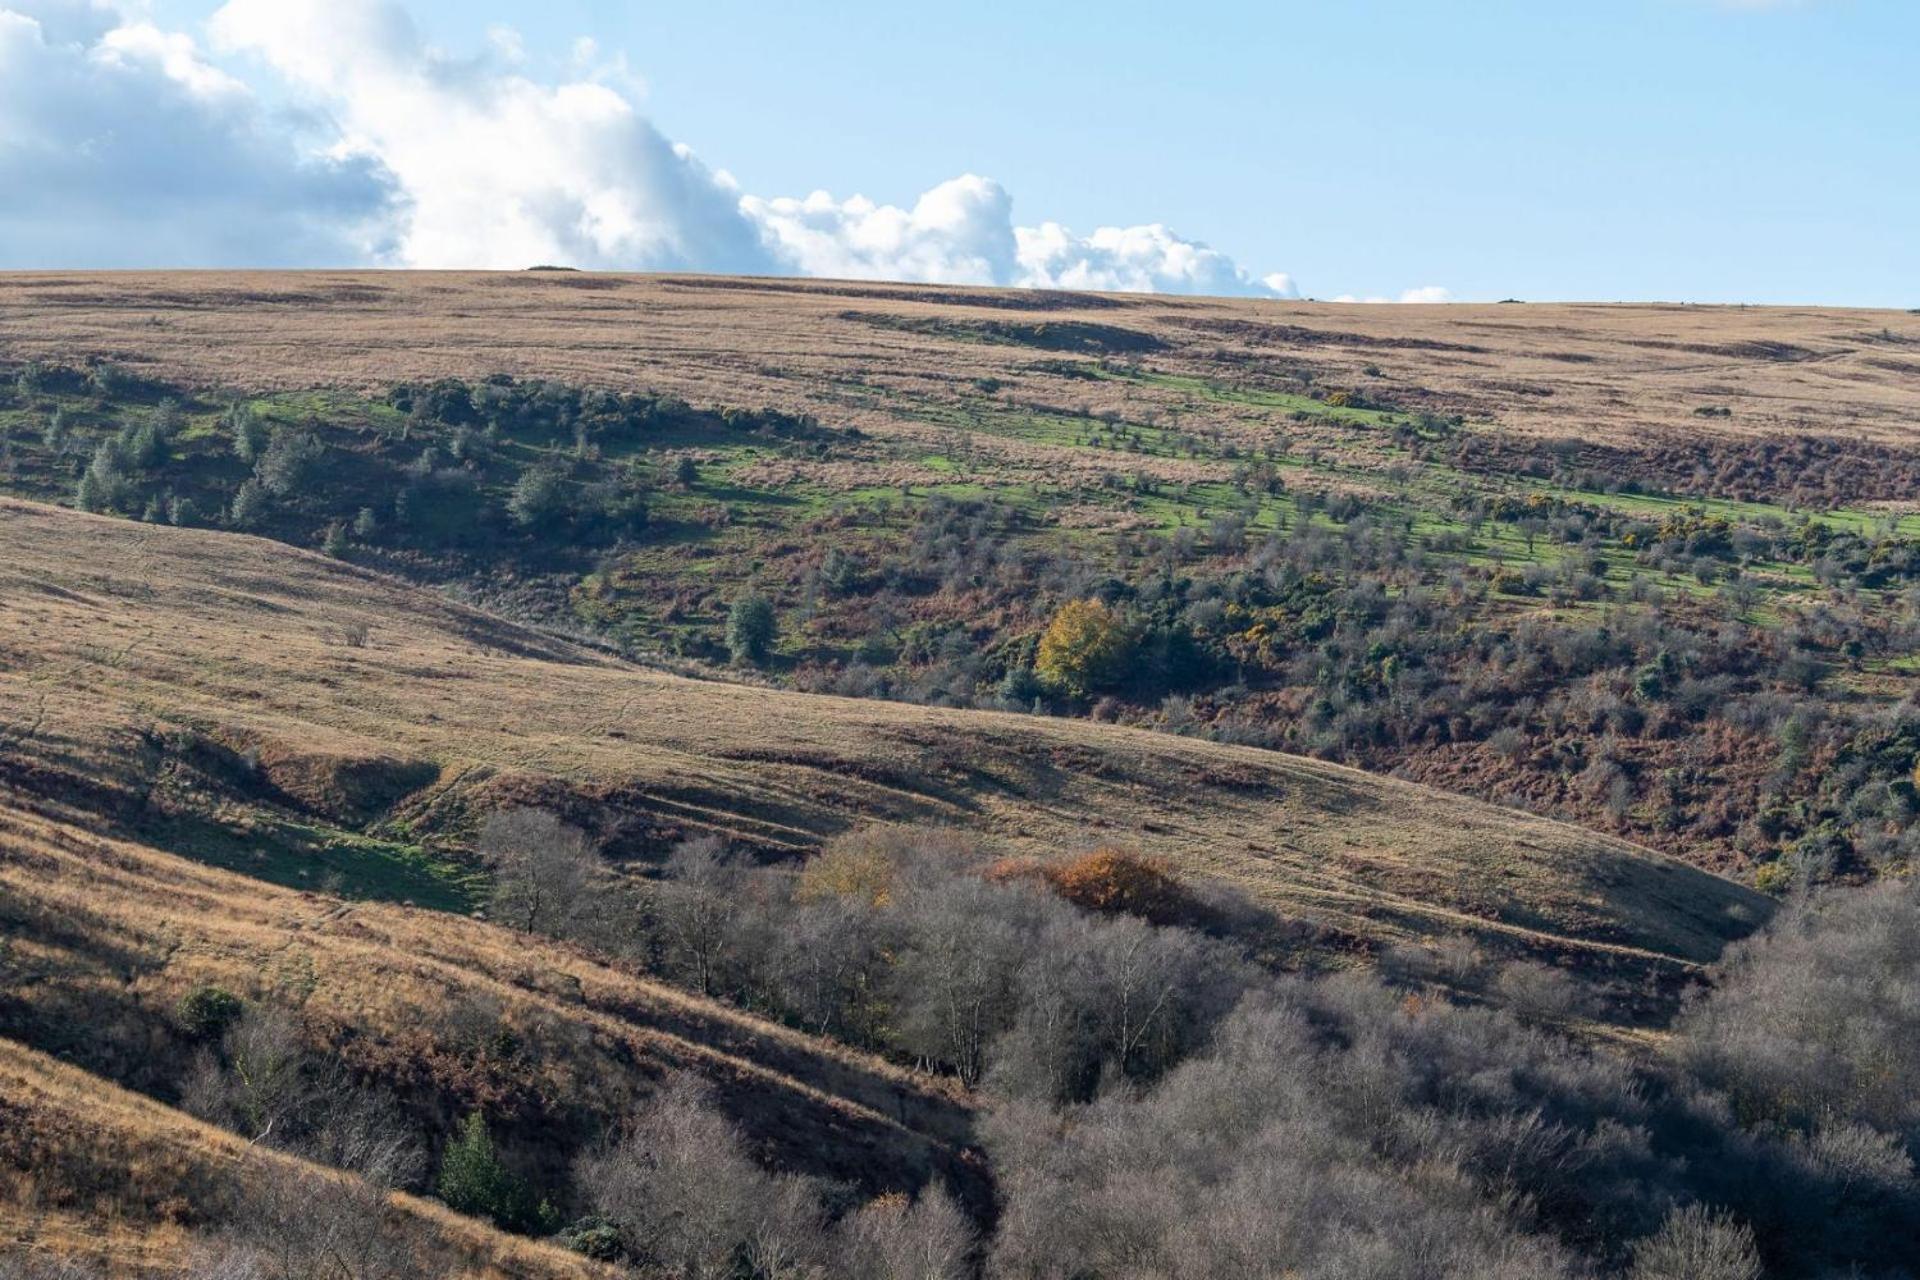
x=736, y=777
x=364, y=700
x=1614, y=375
x=1648, y=569
x=94, y=1174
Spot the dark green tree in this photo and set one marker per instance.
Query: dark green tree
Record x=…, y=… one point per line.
x=474, y=1181
x=250, y=504
x=539, y=498
x=751, y=628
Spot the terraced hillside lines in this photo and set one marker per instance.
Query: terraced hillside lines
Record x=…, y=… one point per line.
x=1623, y=375
x=127, y=931
x=108, y=653
x=108, y=1175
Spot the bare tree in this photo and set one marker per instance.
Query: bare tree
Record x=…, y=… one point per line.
x=699, y=907
x=892, y=1238
x=1694, y=1244
x=543, y=871
x=256, y=1084
x=688, y=1201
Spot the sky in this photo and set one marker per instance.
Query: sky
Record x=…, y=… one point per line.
x=1761, y=151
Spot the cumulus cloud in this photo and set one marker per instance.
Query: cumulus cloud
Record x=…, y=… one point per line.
x=1430, y=294
x=120, y=145
x=137, y=147
x=1147, y=259
x=961, y=232
x=497, y=169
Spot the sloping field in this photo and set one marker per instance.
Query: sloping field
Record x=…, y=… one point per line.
x=353, y=695
x=90, y=1172
x=1617, y=374
x=107, y=936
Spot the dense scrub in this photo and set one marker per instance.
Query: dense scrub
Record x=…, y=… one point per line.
x=1159, y=1102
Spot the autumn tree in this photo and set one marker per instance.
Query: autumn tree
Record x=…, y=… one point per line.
x=1084, y=648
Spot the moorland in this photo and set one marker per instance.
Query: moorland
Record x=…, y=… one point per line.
x=553, y=771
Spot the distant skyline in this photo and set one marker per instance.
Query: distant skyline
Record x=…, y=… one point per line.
x=1685, y=150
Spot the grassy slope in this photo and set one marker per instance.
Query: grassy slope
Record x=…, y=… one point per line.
x=108, y=935
x=115, y=636
x=117, y=1179
x=1626, y=374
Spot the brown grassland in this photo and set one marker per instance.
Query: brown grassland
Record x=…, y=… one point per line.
x=111, y=633
x=1627, y=375
x=93, y=1173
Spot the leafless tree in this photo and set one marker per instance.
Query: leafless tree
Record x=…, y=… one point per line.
x=1694, y=1244
x=893, y=1238
x=543, y=871
x=689, y=1201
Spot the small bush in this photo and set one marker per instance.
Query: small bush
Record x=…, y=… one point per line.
x=205, y=1013
x=1114, y=882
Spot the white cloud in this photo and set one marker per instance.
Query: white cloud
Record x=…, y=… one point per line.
x=136, y=148
x=1431, y=293
x=501, y=171
x=960, y=232
x=498, y=170
x=120, y=145
x=1147, y=259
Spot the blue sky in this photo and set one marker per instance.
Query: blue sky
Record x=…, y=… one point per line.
x=1686, y=149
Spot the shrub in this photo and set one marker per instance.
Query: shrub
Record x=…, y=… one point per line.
x=1112, y=881
x=1084, y=648
x=289, y=462
x=473, y=1180
x=539, y=498
x=860, y=866
x=1537, y=992
x=205, y=1013
x=1697, y=1245
x=751, y=628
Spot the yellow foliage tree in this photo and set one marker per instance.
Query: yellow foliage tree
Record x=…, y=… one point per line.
x=860, y=865
x=1085, y=646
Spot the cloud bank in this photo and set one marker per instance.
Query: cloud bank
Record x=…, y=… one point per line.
x=132, y=145
x=121, y=146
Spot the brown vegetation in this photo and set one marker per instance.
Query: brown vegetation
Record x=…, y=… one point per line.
x=1625, y=375
x=130, y=649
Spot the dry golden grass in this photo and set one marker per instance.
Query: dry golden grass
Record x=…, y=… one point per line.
x=125, y=931
x=109, y=628
x=1613, y=373
x=92, y=1173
